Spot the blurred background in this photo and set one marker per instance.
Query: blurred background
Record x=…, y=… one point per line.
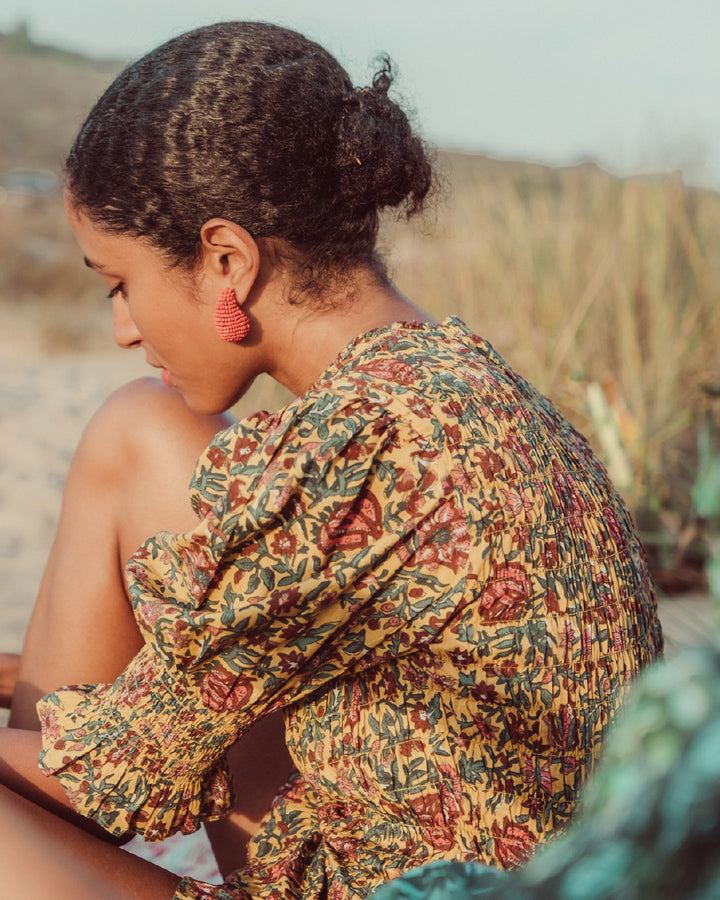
x=578, y=228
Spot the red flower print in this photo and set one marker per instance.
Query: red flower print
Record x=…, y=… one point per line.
x=459, y=478
x=244, y=449
x=586, y=640
x=453, y=434
x=441, y=539
x=617, y=532
x=345, y=846
x=451, y=793
x=406, y=482
x=506, y=595
x=178, y=635
x=535, y=772
x=419, y=717
x=563, y=728
x=426, y=450
x=352, y=451
x=513, y=843
x=217, y=457
x=284, y=544
x=222, y=689
x=550, y=554
x=518, y=449
x=415, y=503
x=411, y=748
x=463, y=658
x=483, y=692
x=567, y=492
x=618, y=638
x=420, y=408
x=518, y=728
x=49, y=725
x=393, y=370
x=485, y=728
x=567, y=640
x=415, y=676
x=551, y=601
x=137, y=683
x=353, y=525
x=202, y=508
x=283, y=600
x=438, y=839
x=236, y=494
x=490, y=463
x=199, y=565
x=534, y=804
x=428, y=809
x=290, y=661
x=513, y=502
x=453, y=408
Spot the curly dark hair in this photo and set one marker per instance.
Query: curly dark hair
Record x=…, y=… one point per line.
x=256, y=124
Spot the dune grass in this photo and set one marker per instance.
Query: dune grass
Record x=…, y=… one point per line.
x=602, y=292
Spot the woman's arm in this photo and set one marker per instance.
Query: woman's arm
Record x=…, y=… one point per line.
x=19, y=771
x=44, y=856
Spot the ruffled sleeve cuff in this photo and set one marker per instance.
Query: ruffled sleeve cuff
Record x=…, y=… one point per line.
x=108, y=746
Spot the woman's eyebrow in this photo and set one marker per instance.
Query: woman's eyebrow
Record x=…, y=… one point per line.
x=91, y=265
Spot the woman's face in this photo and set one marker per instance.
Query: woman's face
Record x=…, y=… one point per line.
x=169, y=315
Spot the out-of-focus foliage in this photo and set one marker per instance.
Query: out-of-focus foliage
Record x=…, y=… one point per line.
x=603, y=292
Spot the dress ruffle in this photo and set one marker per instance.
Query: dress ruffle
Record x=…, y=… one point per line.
x=112, y=749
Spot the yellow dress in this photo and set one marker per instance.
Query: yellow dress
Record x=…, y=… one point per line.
x=421, y=562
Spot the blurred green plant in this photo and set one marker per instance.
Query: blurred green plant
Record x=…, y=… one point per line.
x=706, y=501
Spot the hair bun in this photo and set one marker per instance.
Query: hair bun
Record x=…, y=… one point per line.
x=381, y=162
x=258, y=125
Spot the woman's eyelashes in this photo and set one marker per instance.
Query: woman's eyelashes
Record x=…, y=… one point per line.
x=117, y=291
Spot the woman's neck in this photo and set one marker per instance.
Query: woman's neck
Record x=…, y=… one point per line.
x=312, y=337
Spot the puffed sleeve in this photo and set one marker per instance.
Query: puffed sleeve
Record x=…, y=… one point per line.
x=323, y=547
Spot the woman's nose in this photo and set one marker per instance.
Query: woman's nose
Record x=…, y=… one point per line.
x=125, y=332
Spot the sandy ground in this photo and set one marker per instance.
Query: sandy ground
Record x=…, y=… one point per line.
x=45, y=403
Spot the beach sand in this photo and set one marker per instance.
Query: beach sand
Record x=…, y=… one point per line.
x=46, y=401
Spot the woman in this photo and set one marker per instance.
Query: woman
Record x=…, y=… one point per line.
x=418, y=564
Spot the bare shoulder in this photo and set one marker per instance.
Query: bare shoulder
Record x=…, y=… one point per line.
x=145, y=419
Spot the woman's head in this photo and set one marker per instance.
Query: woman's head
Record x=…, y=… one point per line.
x=256, y=124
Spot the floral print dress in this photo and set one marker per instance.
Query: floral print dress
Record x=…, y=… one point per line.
x=419, y=561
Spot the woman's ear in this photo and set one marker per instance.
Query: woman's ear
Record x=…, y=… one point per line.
x=230, y=255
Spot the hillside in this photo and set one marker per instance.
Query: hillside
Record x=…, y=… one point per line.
x=44, y=96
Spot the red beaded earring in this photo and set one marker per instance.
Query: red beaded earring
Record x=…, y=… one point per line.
x=231, y=321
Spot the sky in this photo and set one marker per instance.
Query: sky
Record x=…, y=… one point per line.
x=631, y=84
